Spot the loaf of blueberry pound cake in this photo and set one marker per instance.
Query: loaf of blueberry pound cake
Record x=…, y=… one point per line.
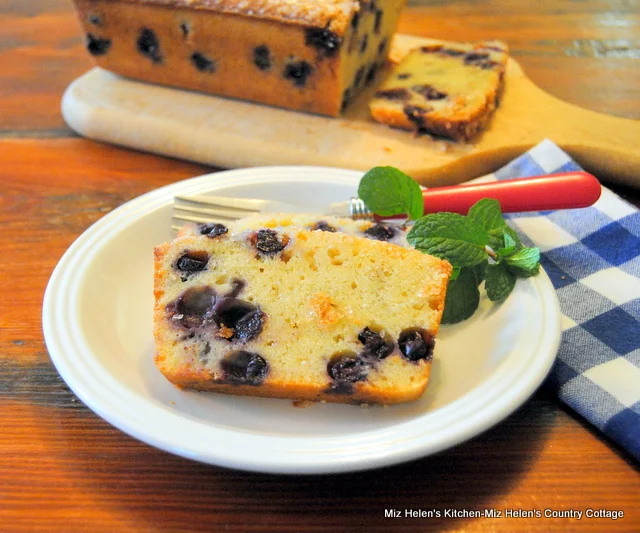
x=307, y=55
x=446, y=89
x=308, y=315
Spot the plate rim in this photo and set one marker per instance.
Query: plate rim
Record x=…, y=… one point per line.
x=290, y=462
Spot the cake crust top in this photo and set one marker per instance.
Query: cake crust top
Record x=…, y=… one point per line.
x=334, y=14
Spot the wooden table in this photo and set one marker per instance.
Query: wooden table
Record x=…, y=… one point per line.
x=62, y=468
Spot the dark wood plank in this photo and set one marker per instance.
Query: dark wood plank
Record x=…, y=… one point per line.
x=62, y=468
x=41, y=52
x=61, y=464
x=87, y=474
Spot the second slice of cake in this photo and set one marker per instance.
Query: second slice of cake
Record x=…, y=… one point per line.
x=446, y=89
x=306, y=315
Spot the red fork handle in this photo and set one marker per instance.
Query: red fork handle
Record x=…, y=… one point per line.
x=567, y=190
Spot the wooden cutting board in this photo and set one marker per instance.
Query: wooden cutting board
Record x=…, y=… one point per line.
x=229, y=133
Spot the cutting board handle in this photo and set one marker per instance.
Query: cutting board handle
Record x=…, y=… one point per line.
x=605, y=145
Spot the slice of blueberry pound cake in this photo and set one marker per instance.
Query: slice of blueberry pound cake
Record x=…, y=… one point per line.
x=445, y=89
x=305, y=315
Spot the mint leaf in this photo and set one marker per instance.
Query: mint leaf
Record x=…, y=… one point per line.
x=504, y=241
x=510, y=245
x=488, y=214
x=387, y=191
x=499, y=282
x=496, y=239
x=511, y=238
x=526, y=259
x=521, y=273
x=480, y=271
x=525, y=263
x=450, y=236
x=463, y=297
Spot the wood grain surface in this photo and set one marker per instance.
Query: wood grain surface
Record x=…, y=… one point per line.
x=64, y=469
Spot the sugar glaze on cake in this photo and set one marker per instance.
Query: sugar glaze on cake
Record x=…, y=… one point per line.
x=334, y=14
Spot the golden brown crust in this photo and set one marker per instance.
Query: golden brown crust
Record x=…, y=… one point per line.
x=362, y=393
x=334, y=14
x=158, y=275
x=458, y=129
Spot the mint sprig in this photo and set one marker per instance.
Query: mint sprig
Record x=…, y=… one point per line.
x=387, y=191
x=479, y=246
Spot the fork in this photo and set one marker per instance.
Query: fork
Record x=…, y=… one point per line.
x=567, y=190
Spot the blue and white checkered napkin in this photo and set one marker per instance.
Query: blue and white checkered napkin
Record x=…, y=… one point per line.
x=592, y=256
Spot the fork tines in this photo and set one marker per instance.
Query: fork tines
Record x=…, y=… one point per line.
x=200, y=208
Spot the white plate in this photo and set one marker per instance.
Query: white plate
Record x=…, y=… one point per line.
x=98, y=329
